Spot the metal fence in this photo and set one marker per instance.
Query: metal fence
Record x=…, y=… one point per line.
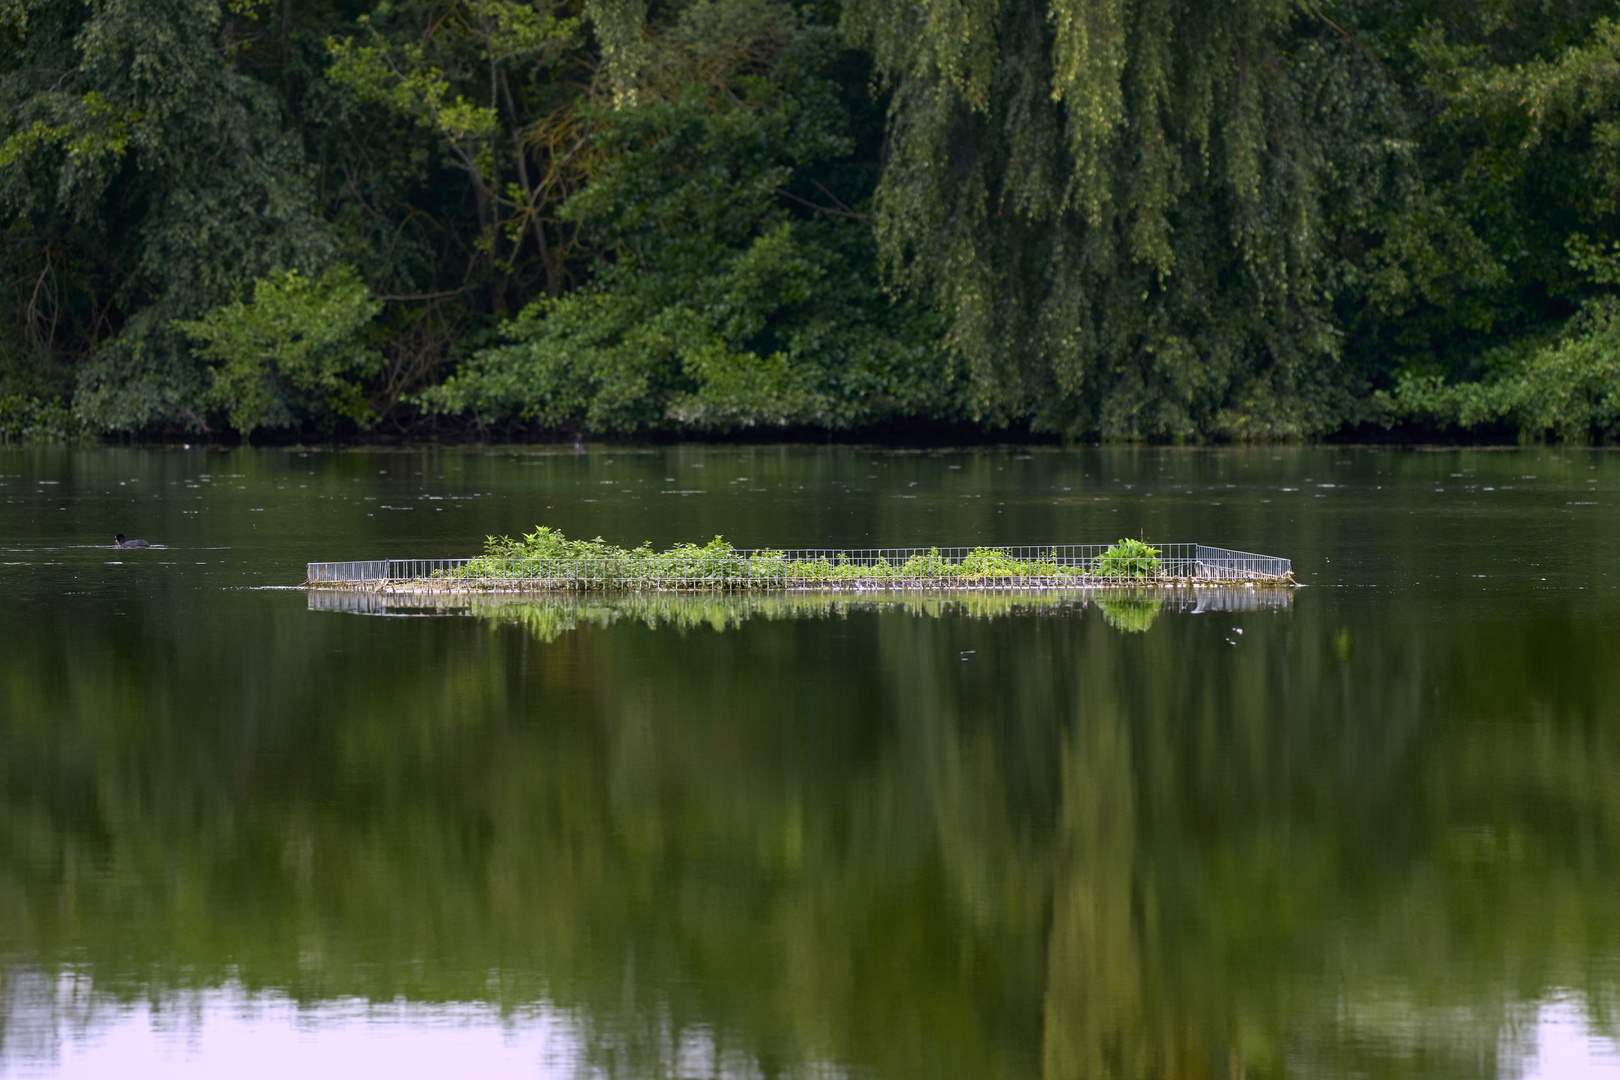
x=700, y=608
x=857, y=569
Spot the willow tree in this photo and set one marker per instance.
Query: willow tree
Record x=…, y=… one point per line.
x=1118, y=205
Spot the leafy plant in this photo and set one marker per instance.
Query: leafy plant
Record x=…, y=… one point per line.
x=727, y=289
x=294, y=348
x=477, y=77
x=547, y=555
x=1568, y=386
x=35, y=419
x=1128, y=559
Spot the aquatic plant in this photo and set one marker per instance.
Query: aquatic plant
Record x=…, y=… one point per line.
x=546, y=553
x=545, y=559
x=1127, y=559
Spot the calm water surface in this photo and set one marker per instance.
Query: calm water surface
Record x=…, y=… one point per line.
x=1375, y=832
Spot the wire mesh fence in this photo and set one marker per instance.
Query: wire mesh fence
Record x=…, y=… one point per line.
x=1017, y=567
x=726, y=608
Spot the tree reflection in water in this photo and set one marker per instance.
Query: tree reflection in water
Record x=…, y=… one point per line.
x=970, y=837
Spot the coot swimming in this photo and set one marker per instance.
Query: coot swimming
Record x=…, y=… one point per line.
x=121, y=542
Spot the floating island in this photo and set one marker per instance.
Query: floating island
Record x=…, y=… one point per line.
x=547, y=561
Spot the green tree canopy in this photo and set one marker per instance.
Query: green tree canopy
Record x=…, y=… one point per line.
x=1119, y=207
x=143, y=178
x=1095, y=218
x=730, y=286
x=291, y=352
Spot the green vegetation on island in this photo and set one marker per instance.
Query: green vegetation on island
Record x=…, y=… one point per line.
x=1128, y=559
x=547, y=555
x=524, y=218
x=546, y=559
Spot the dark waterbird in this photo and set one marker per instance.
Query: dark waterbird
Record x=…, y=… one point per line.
x=121, y=542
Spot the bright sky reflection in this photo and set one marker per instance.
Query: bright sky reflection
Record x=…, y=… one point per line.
x=1565, y=1047
x=228, y=1032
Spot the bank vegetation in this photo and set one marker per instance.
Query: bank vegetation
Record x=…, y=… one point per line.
x=1078, y=219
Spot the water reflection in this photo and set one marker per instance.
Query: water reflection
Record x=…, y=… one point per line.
x=1375, y=833
x=911, y=846
x=549, y=616
x=65, y=1026
x=71, y=1029
x=1133, y=613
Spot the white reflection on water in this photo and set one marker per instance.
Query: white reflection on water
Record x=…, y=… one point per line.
x=63, y=1028
x=1557, y=1036
x=1562, y=1045
x=75, y=1032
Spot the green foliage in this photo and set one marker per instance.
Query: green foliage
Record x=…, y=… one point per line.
x=30, y=418
x=292, y=351
x=1557, y=379
x=1568, y=388
x=1117, y=207
x=714, y=305
x=547, y=555
x=545, y=558
x=146, y=179
x=1512, y=193
x=1163, y=220
x=547, y=543
x=1127, y=559
x=481, y=78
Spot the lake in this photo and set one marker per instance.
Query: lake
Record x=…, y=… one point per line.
x=1371, y=831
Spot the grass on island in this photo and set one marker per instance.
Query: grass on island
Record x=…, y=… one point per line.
x=546, y=554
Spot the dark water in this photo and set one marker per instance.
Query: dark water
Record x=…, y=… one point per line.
x=1376, y=833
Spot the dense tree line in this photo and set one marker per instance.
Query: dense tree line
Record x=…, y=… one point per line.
x=1091, y=218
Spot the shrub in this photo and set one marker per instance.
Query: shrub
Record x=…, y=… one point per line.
x=1128, y=559
x=295, y=348
x=36, y=419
